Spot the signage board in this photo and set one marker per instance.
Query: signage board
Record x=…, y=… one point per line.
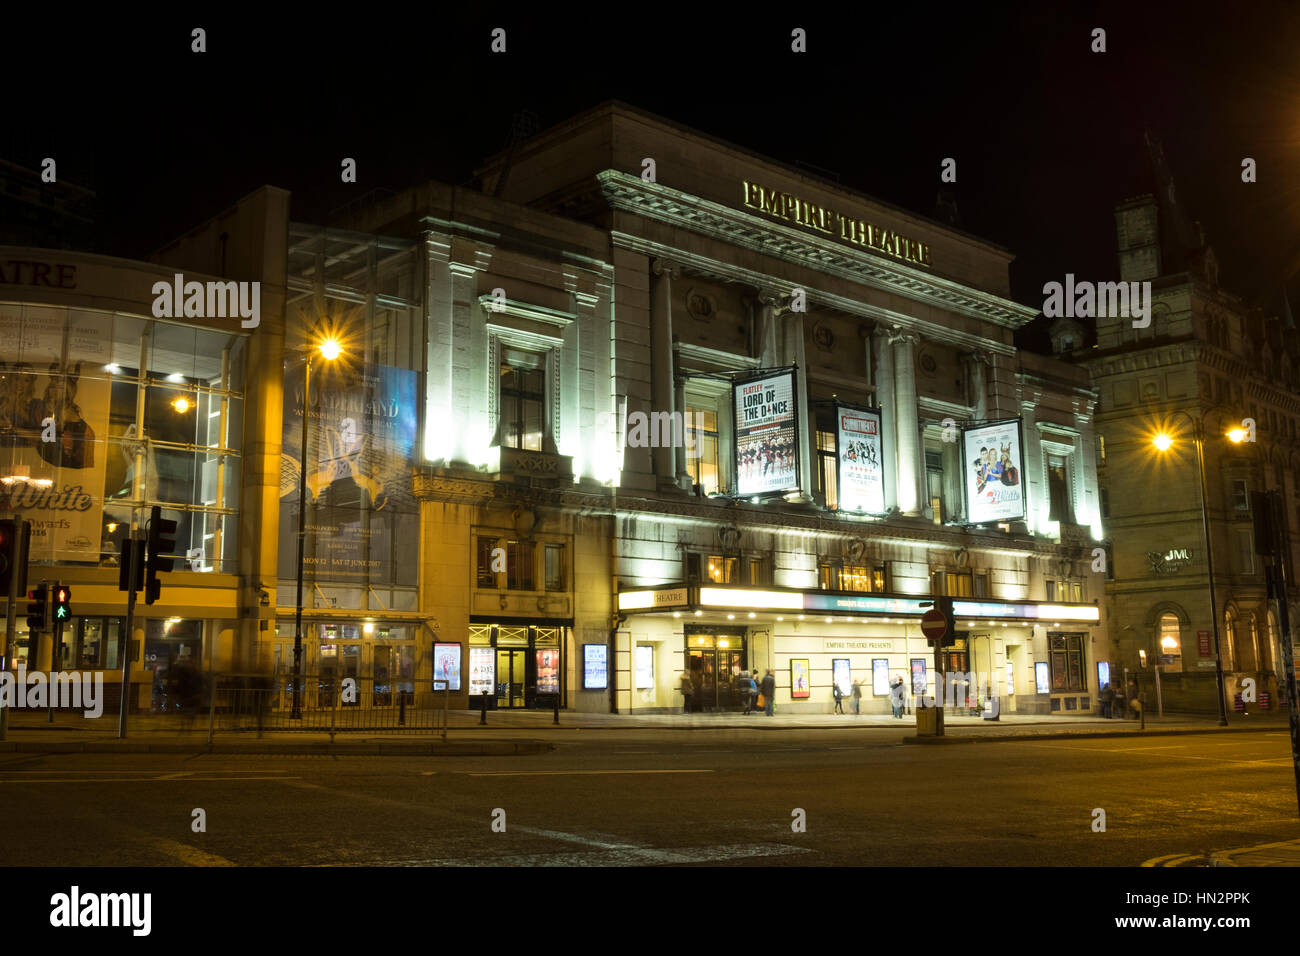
x=766, y=448
x=860, y=460
x=993, y=472
x=595, y=666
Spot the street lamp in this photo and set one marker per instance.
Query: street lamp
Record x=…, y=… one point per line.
x=1163, y=442
x=329, y=350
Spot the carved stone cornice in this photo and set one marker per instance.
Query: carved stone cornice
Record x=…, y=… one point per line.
x=630, y=194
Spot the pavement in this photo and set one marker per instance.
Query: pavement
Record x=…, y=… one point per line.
x=516, y=732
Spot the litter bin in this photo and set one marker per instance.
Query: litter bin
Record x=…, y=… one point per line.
x=927, y=721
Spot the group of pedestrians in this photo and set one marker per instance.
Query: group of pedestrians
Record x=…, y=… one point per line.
x=754, y=693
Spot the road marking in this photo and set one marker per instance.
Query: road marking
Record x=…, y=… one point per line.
x=178, y=774
x=188, y=854
x=427, y=773
x=563, y=773
x=614, y=855
x=170, y=777
x=1172, y=859
x=1148, y=751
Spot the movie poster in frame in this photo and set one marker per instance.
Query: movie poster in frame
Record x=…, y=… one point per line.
x=800, y=678
x=766, y=446
x=993, y=472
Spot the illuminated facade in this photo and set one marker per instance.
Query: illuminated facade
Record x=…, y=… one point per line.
x=581, y=312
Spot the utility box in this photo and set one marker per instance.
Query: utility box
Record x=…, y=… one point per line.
x=927, y=721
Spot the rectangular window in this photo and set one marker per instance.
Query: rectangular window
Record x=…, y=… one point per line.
x=826, y=471
x=704, y=466
x=519, y=565
x=1058, y=489
x=1105, y=502
x=1050, y=588
x=982, y=585
x=854, y=578
x=486, y=576
x=1245, y=551
x=1240, y=496
x=1065, y=658
x=826, y=577
x=555, y=567
x=878, y=579
x=757, y=571
x=523, y=399
x=934, y=484
x=1101, y=451
x=1076, y=592
x=722, y=570
x=959, y=584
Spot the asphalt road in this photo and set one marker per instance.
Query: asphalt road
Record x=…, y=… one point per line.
x=653, y=798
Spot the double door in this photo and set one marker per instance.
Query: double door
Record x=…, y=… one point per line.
x=512, y=676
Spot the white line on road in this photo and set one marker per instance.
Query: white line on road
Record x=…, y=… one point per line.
x=562, y=773
x=168, y=777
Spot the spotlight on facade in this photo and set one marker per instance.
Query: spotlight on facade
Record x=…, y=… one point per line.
x=698, y=613
x=368, y=627
x=331, y=349
x=752, y=614
x=731, y=617
x=1236, y=435
x=1162, y=442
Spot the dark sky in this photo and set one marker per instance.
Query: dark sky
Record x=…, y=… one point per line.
x=1045, y=133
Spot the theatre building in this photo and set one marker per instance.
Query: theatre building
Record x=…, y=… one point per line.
x=729, y=416
x=641, y=404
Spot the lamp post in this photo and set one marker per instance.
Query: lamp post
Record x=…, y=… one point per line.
x=1163, y=442
x=330, y=350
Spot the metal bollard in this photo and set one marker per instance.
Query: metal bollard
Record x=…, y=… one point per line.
x=482, y=711
x=556, y=720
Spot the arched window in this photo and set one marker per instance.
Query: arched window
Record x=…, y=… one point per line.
x=1274, y=642
x=1256, y=661
x=1170, y=641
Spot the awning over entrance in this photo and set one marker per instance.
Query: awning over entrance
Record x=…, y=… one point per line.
x=701, y=598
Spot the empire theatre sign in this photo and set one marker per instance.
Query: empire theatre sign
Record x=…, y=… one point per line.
x=812, y=216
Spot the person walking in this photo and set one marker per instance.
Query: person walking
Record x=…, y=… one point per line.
x=839, y=698
x=768, y=689
x=688, y=691
x=748, y=690
x=1107, y=699
x=857, y=697
x=897, y=695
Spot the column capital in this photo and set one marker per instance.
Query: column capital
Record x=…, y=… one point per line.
x=666, y=267
x=979, y=356
x=901, y=336
x=778, y=302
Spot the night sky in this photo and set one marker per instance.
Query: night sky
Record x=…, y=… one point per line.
x=1046, y=134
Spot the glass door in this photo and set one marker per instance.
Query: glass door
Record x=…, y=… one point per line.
x=510, y=677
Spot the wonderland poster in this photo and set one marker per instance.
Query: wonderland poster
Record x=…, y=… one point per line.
x=994, y=472
x=54, y=402
x=362, y=518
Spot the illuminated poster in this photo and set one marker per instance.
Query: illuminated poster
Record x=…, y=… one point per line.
x=1042, y=682
x=842, y=675
x=861, y=484
x=918, y=676
x=360, y=499
x=1103, y=674
x=446, y=665
x=482, y=670
x=880, y=676
x=645, y=666
x=594, y=666
x=993, y=472
x=766, y=449
x=548, y=671
x=54, y=402
x=800, y=688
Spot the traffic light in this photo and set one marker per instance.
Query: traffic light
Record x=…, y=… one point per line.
x=38, y=608
x=131, y=552
x=62, y=603
x=161, y=543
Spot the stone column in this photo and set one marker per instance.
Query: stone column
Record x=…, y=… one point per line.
x=883, y=377
x=1037, y=504
x=977, y=364
x=769, y=346
x=906, y=421
x=796, y=354
x=663, y=388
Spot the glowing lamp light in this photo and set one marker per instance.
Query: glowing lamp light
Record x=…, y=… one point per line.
x=1168, y=643
x=1236, y=435
x=181, y=405
x=1162, y=442
x=330, y=349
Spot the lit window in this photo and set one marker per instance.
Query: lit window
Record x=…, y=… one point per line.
x=519, y=565
x=827, y=461
x=703, y=467
x=523, y=400
x=555, y=567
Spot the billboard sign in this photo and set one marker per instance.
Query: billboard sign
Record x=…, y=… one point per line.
x=861, y=461
x=993, y=472
x=767, y=434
